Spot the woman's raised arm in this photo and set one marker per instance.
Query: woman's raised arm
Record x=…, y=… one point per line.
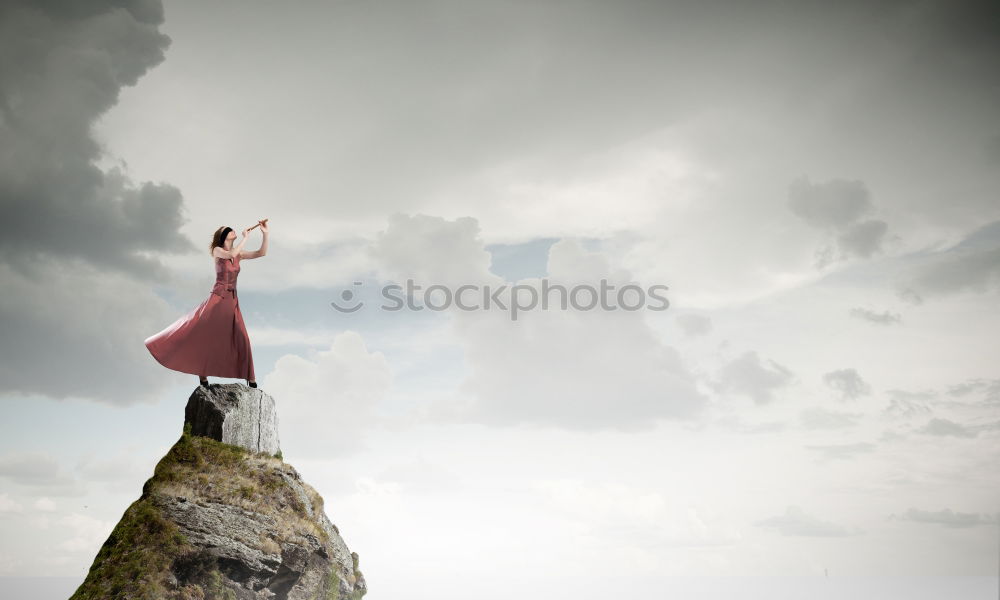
x=247, y=254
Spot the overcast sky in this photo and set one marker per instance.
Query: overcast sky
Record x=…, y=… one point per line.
x=816, y=183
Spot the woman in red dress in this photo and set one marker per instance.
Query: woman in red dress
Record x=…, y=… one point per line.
x=212, y=339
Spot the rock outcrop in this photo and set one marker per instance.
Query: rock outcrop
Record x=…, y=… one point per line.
x=224, y=517
x=234, y=414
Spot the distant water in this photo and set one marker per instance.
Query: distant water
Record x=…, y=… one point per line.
x=671, y=588
x=832, y=588
x=602, y=587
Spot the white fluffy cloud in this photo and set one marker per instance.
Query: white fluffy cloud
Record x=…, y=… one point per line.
x=327, y=399
x=433, y=250
x=580, y=369
x=8, y=505
x=44, y=504
x=797, y=522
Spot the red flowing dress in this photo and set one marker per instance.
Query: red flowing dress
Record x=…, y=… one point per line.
x=211, y=339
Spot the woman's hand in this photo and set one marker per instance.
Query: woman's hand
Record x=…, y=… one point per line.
x=246, y=232
x=263, y=226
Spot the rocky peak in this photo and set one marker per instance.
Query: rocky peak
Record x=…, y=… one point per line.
x=223, y=517
x=235, y=414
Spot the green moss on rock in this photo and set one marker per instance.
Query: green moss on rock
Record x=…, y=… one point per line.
x=135, y=557
x=146, y=557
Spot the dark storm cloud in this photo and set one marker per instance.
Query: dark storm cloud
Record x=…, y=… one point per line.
x=62, y=65
x=71, y=332
x=74, y=238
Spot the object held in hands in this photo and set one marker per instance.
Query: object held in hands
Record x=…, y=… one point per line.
x=259, y=223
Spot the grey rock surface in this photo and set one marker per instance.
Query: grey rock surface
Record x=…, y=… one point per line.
x=229, y=536
x=234, y=414
x=220, y=522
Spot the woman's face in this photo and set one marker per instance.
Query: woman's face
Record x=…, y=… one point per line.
x=231, y=236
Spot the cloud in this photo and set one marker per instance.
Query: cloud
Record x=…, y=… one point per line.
x=883, y=318
x=749, y=376
x=29, y=468
x=694, y=325
x=821, y=418
x=961, y=410
x=946, y=428
x=848, y=383
x=573, y=368
x=433, y=250
x=40, y=472
x=862, y=239
x=63, y=66
x=906, y=405
x=7, y=505
x=89, y=326
x=945, y=517
x=836, y=204
x=795, y=522
x=77, y=242
x=836, y=207
x=990, y=389
x=44, y=504
x=970, y=266
x=841, y=451
x=328, y=399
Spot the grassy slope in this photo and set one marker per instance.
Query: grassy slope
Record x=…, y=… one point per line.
x=135, y=560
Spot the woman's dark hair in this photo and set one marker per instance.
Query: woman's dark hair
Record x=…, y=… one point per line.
x=219, y=238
